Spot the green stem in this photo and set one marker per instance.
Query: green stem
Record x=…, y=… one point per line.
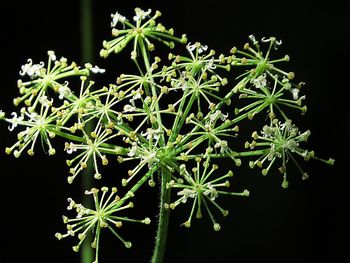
x=163, y=222
x=162, y=231
x=87, y=253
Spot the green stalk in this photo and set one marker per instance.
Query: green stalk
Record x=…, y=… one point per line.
x=87, y=253
x=163, y=222
x=162, y=231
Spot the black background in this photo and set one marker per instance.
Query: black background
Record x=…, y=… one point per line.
x=305, y=223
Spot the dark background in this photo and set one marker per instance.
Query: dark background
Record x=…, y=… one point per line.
x=305, y=223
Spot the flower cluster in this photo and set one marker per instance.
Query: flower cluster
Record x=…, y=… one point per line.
x=141, y=31
x=201, y=187
x=105, y=215
x=281, y=141
x=264, y=82
x=171, y=114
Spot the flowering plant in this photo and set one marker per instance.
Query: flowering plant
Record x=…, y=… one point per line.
x=173, y=122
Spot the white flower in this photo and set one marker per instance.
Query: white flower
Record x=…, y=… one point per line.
x=210, y=64
x=133, y=149
x=222, y=145
x=136, y=96
x=97, y=70
x=186, y=192
x=117, y=18
x=64, y=91
x=211, y=191
x=216, y=115
x=295, y=93
x=151, y=133
x=202, y=49
x=71, y=202
x=260, y=81
x=190, y=47
x=150, y=158
x=272, y=39
x=267, y=131
x=30, y=69
x=45, y=101
x=52, y=55
x=140, y=14
x=253, y=39
x=14, y=121
x=71, y=148
x=129, y=108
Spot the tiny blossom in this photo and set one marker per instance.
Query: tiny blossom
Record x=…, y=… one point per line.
x=117, y=18
x=52, y=55
x=151, y=133
x=295, y=93
x=253, y=39
x=14, y=121
x=70, y=148
x=141, y=14
x=222, y=144
x=132, y=150
x=201, y=48
x=97, y=70
x=271, y=39
x=64, y=92
x=217, y=115
x=186, y=193
x=45, y=101
x=260, y=82
x=129, y=108
x=32, y=70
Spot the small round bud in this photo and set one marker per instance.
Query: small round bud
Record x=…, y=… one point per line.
x=76, y=248
x=146, y=221
x=216, y=227
x=291, y=75
x=52, y=151
x=151, y=183
x=59, y=236
x=70, y=179
x=128, y=244
x=97, y=176
x=187, y=224
x=246, y=192
x=285, y=184
x=124, y=182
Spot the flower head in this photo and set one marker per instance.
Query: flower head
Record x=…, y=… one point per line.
x=104, y=215
x=281, y=141
x=201, y=187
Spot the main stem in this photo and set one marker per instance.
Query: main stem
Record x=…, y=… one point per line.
x=162, y=231
x=160, y=242
x=87, y=253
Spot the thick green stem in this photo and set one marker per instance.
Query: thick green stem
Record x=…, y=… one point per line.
x=163, y=222
x=162, y=231
x=87, y=252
